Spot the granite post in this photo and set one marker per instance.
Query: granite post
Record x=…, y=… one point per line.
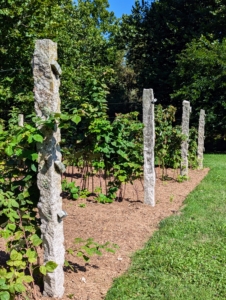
x=149, y=144
x=46, y=73
x=185, y=144
x=21, y=120
x=201, y=137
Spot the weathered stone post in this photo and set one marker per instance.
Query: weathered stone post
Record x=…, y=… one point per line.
x=46, y=73
x=149, y=144
x=201, y=137
x=185, y=131
x=21, y=120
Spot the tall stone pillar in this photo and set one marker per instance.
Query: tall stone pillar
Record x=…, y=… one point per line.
x=149, y=144
x=185, y=131
x=21, y=120
x=201, y=137
x=46, y=73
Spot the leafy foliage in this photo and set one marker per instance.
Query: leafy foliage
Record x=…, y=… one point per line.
x=72, y=191
x=157, y=31
x=164, y=46
x=115, y=148
x=115, y=152
x=20, y=224
x=193, y=148
x=169, y=138
x=88, y=248
x=18, y=201
x=200, y=76
x=85, y=53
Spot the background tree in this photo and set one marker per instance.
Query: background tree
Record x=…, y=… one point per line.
x=122, y=97
x=85, y=53
x=155, y=33
x=200, y=76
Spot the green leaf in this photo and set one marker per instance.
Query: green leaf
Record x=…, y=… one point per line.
x=18, y=235
x=42, y=270
x=9, y=151
x=16, y=263
x=30, y=228
x=11, y=226
x=66, y=263
x=19, y=287
x=26, y=194
x=64, y=117
x=18, y=152
x=36, y=241
x=79, y=254
x=14, y=203
x=38, y=138
x=14, y=255
x=25, y=278
x=76, y=119
x=13, y=215
x=2, y=281
x=50, y=266
x=70, y=251
x=78, y=240
x=5, y=234
x=32, y=255
x=4, y=287
x=9, y=275
x=27, y=216
x=122, y=178
x=30, y=139
x=34, y=156
x=3, y=272
x=28, y=177
x=11, y=289
x=98, y=252
x=4, y=295
x=75, y=196
x=74, y=190
x=33, y=168
x=89, y=251
x=110, y=250
x=28, y=278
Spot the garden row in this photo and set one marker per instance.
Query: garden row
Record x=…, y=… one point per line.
x=31, y=170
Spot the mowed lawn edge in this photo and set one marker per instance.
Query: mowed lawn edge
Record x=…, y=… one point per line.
x=186, y=258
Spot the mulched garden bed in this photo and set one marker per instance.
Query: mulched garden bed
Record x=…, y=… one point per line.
x=128, y=223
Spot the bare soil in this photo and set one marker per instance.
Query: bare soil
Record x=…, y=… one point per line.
x=128, y=223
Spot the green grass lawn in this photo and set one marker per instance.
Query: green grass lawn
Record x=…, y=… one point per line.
x=186, y=258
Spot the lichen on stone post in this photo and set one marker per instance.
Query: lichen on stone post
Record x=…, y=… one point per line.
x=46, y=73
x=185, y=143
x=201, y=137
x=149, y=144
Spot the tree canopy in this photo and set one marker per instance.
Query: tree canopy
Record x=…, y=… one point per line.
x=177, y=48
x=172, y=46
x=85, y=54
x=154, y=34
x=200, y=76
